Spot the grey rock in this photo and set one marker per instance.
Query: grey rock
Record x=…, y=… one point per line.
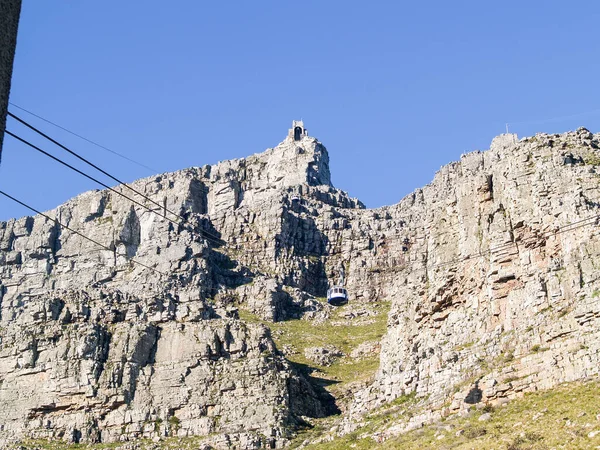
x=323, y=356
x=495, y=283
x=96, y=348
x=365, y=350
x=491, y=271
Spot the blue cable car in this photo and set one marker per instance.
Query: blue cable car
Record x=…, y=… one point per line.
x=337, y=296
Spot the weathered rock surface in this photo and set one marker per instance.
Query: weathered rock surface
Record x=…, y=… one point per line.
x=323, y=356
x=491, y=270
x=95, y=347
x=499, y=292
x=365, y=350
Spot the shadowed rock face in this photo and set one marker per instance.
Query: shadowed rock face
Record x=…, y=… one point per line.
x=94, y=347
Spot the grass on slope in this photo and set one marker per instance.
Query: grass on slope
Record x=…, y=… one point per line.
x=566, y=417
x=345, y=334
x=187, y=443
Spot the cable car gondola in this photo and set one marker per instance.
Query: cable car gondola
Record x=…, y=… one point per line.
x=337, y=296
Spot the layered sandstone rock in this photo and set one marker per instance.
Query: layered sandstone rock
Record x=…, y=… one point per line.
x=500, y=294
x=491, y=270
x=139, y=336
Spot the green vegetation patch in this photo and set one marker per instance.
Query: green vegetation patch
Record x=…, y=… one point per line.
x=592, y=159
x=173, y=443
x=562, y=418
x=345, y=334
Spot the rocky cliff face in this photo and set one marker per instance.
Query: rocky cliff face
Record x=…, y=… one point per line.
x=500, y=296
x=491, y=271
x=94, y=347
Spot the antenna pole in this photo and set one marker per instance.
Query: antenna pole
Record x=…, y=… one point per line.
x=507, y=128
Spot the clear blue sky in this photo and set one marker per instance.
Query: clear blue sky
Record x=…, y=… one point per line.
x=393, y=89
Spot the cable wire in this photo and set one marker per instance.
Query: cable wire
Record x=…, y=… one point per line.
x=203, y=234
x=31, y=208
x=81, y=158
x=85, y=139
x=564, y=229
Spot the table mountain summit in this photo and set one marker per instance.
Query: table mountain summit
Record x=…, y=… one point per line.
x=176, y=326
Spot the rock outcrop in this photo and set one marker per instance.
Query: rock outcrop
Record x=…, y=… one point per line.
x=139, y=336
x=499, y=295
x=491, y=271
